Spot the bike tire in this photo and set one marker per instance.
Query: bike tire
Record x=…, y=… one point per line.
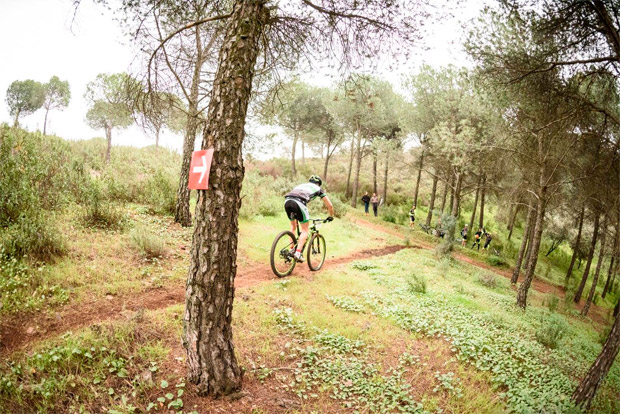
x=276, y=258
x=317, y=250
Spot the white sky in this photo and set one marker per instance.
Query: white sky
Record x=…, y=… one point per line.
x=39, y=42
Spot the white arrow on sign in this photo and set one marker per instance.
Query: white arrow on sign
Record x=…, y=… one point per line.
x=201, y=169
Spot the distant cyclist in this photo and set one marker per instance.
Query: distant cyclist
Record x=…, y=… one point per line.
x=296, y=208
x=412, y=216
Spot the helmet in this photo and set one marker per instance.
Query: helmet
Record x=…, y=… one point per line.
x=315, y=179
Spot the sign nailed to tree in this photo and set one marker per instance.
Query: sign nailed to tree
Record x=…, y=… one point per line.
x=199, y=169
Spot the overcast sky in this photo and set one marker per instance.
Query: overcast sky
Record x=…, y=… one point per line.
x=39, y=42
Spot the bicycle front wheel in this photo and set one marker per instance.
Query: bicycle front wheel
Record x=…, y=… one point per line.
x=282, y=250
x=316, y=252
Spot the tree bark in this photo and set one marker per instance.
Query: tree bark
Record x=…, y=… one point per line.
x=601, y=257
x=533, y=258
x=513, y=218
x=614, y=252
x=528, y=251
x=524, y=242
x=374, y=171
x=348, y=192
x=207, y=335
x=385, y=176
x=417, y=181
x=182, y=214
x=108, y=136
x=482, y=194
x=45, y=122
x=569, y=272
x=456, y=199
x=473, y=213
x=431, y=205
x=444, y=196
x=586, y=271
x=585, y=392
x=293, y=167
x=358, y=166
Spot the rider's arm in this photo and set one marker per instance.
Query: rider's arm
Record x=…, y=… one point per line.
x=328, y=205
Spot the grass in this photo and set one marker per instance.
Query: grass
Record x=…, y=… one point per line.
x=352, y=337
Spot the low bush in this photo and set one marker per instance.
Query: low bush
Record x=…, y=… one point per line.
x=496, y=261
x=159, y=192
x=416, y=283
x=99, y=211
x=551, y=331
x=147, y=243
x=488, y=279
x=552, y=302
x=35, y=236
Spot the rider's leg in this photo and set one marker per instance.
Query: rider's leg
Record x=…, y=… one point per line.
x=303, y=236
x=294, y=226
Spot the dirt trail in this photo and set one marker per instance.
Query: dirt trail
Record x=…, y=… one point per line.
x=597, y=314
x=18, y=331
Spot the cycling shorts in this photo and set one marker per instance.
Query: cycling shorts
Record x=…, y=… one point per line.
x=296, y=210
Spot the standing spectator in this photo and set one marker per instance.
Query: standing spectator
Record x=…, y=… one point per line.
x=477, y=238
x=366, y=201
x=412, y=216
x=488, y=241
x=375, y=203
x=464, y=235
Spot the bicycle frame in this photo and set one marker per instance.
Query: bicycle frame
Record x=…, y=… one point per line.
x=314, y=228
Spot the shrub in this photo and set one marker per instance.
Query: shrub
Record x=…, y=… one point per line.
x=495, y=260
x=340, y=207
x=100, y=213
x=448, y=223
x=416, y=283
x=160, y=192
x=35, y=179
x=33, y=235
x=551, y=331
x=147, y=243
x=489, y=280
x=552, y=302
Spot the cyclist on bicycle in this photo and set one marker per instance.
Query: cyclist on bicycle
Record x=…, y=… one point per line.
x=295, y=205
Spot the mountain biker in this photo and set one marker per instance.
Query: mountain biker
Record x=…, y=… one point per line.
x=488, y=240
x=295, y=205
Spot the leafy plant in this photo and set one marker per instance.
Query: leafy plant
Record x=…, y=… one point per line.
x=551, y=331
x=148, y=244
x=416, y=283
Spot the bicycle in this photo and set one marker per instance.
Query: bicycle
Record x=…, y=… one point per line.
x=284, y=246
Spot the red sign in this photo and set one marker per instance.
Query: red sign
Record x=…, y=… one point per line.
x=199, y=169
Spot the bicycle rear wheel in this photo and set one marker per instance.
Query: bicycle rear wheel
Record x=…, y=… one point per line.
x=282, y=250
x=316, y=252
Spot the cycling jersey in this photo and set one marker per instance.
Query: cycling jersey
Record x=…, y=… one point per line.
x=306, y=192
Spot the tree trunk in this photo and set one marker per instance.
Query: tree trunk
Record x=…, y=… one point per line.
x=293, y=167
x=16, y=123
x=452, y=189
x=303, y=151
x=45, y=122
x=207, y=335
x=358, y=166
x=482, y=194
x=374, y=171
x=473, y=213
x=444, y=196
x=585, y=392
x=182, y=214
x=513, y=218
x=601, y=257
x=524, y=242
x=586, y=271
x=417, y=181
x=456, y=199
x=528, y=251
x=385, y=176
x=533, y=259
x=431, y=205
x=108, y=136
x=569, y=272
x=614, y=252
x=348, y=192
